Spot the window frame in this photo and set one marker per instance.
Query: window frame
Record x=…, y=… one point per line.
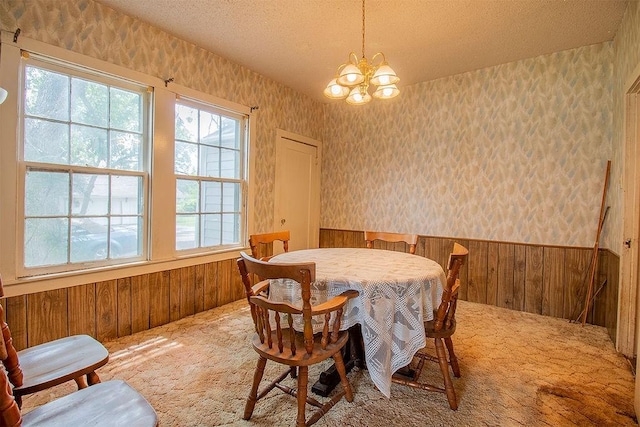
x=202, y=105
x=74, y=70
x=161, y=203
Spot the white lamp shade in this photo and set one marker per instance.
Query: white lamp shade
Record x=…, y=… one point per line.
x=386, y=92
x=336, y=91
x=356, y=97
x=3, y=95
x=350, y=76
x=384, y=75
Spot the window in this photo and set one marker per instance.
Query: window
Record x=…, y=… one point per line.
x=83, y=168
x=210, y=185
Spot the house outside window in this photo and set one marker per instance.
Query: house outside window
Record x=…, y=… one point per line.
x=210, y=176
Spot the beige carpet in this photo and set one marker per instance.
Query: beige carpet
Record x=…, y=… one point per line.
x=517, y=369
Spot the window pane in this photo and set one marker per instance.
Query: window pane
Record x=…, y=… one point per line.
x=230, y=197
x=187, y=196
x=45, y=241
x=46, y=142
x=186, y=123
x=89, y=103
x=89, y=239
x=46, y=94
x=126, y=237
x=230, y=228
x=47, y=193
x=211, y=197
x=187, y=234
x=126, y=195
x=230, y=133
x=90, y=194
x=229, y=163
x=209, y=128
x=186, y=162
x=211, y=230
x=126, y=110
x=125, y=151
x=89, y=146
x=210, y=157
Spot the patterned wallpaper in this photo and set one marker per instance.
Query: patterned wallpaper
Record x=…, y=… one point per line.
x=515, y=152
x=94, y=30
x=626, y=61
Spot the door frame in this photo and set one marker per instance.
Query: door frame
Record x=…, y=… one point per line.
x=314, y=223
x=627, y=322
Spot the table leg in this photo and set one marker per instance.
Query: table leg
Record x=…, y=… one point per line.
x=353, y=355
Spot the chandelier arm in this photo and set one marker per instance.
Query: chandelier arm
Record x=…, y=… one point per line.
x=384, y=59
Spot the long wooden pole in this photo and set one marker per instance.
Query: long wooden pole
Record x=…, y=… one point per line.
x=594, y=256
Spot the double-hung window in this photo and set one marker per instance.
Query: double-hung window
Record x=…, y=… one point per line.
x=210, y=176
x=83, y=168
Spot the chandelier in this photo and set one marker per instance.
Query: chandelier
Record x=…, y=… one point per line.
x=353, y=79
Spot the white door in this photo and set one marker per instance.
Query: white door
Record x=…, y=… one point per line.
x=297, y=190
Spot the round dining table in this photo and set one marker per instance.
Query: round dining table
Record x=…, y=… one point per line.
x=397, y=293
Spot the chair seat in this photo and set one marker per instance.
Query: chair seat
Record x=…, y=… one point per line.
x=430, y=332
x=58, y=361
x=301, y=358
x=108, y=404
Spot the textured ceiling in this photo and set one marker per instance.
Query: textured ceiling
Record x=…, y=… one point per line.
x=300, y=43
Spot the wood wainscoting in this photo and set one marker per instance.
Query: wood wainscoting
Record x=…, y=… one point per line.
x=547, y=280
x=115, y=308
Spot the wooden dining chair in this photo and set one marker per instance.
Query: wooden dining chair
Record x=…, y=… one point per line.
x=277, y=340
x=441, y=329
x=108, y=404
x=409, y=239
x=259, y=243
x=52, y=363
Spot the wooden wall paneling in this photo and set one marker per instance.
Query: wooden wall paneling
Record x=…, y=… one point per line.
x=187, y=291
x=140, y=303
x=159, y=298
x=338, y=239
x=477, y=272
x=237, y=286
x=598, y=310
x=533, y=279
x=211, y=285
x=420, y=246
x=577, y=263
x=124, y=307
x=505, y=275
x=492, y=273
x=357, y=239
x=611, y=295
x=553, y=287
x=174, y=294
x=432, y=249
x=519, y=276
x=16, y=317
x=199, y=288
x=225, y=283
x=106, y=310
x=82, y=309
x=324, y=237
x=47, y=318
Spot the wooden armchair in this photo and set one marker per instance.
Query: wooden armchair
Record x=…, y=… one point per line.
x=258, y=242
x=108, y=404
x=276, y=340
x=441, y=328
x=409, y=239
x=46, y=365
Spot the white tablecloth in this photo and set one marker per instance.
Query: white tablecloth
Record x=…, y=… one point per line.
x=397, y=294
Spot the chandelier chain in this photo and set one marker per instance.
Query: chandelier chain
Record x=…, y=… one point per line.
x=363, y=28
